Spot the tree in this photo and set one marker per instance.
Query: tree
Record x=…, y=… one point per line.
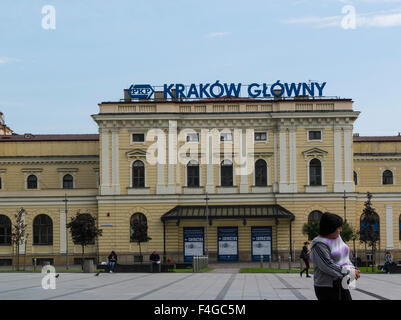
x=311, y=228
x=19, y=235
x=348, y=233
x=140, y=234
x=369, y=232
x=83, y=230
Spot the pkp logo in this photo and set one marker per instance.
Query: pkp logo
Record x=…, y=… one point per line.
x=140, y=91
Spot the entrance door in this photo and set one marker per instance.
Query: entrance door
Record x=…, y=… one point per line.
x=261, y=243
x=227, y=243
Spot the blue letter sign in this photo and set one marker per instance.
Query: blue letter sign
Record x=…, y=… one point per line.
x=140, y=91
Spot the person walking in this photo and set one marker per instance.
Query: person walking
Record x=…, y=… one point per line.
x=388, y=260
x=305, y=257
x=330, y=257
x=112, y=261
x=155, y=259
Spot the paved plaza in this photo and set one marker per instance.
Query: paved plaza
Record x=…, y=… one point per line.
x=223, y=284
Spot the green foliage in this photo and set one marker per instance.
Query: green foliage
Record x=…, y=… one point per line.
x=83, y=229
x=311, y=229
x=140, y=234
x=348, y=233
x=368, y=234
x=18, y=234
x=369, y=218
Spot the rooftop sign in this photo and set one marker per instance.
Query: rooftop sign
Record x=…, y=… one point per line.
x=218, y=90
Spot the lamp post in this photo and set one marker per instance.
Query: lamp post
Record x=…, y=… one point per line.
x=207, y=225
x=66, y=232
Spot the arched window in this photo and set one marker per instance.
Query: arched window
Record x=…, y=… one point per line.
x=138, y=227
x=68, y=182
x=315, y=172
x=32, y=182
x=226, y=173
x=355, y=178
x=315, y=216
x=138, y=174
x=193, y=174
x=376, y=224
x=5, y=230
x=387, y=177
x=261, y=173
x=43, y=230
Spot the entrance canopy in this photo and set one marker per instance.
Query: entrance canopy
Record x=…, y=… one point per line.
x=274, y=211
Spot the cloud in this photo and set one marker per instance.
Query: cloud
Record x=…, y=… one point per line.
x=390, y=18
x=217, y=34
x=4, y=60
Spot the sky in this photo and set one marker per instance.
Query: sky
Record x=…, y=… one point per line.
x=57, y=65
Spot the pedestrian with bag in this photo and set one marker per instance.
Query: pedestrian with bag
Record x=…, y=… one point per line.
x=305, y=257
x=388, y=260
x=330, y=257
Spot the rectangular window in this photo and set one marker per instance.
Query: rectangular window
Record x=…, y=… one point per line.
x=260, y=136
x=226, y=137
x=315, y=135
x=138, y=137
x=193, y=137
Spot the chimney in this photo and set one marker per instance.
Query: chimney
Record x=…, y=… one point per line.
x=159, y=96
x=277, y=91
x=127, y=97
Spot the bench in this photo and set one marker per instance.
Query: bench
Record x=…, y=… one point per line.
x=394, y=268
x=138, y=267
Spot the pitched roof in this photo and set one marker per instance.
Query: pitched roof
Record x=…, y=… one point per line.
x=48, y=137
x=376, y=138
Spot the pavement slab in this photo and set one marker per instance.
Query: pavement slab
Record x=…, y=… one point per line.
x=186, y=286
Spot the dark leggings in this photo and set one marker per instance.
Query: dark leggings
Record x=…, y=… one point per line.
x=336, y=293
x=306, y=266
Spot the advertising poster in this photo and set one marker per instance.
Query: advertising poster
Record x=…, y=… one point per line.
x=228, y=244
x=261, y=243
x=193, y=243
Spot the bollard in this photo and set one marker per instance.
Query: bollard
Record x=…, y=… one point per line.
x=289, y=262
x=279, y=262
x=270, y=262
x=34, y=264
x=261, y=261
x=195, y=264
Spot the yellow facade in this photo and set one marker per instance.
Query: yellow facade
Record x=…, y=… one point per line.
x=102, y=170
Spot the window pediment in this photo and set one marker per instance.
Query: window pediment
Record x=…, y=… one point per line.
x=314, y=153
x=136, y=153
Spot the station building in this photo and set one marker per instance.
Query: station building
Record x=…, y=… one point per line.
x=304, y=157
